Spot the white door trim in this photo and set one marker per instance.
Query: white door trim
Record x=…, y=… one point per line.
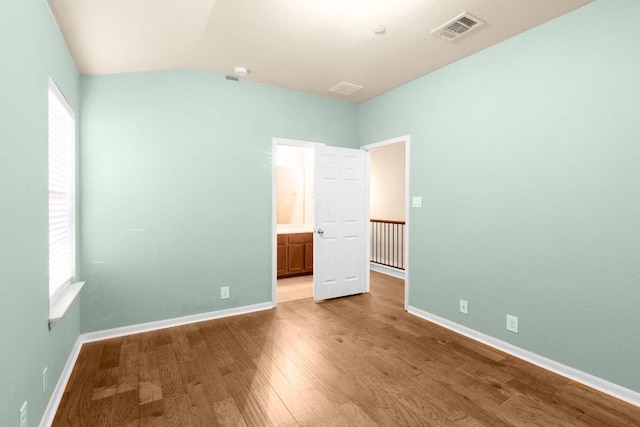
x=407, y=140
x=275, y=141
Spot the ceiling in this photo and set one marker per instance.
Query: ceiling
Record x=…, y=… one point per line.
x=304, y=45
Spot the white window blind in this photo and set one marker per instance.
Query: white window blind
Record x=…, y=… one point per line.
x=61, y=176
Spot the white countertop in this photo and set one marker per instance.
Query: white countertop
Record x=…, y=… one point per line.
x=294, y=228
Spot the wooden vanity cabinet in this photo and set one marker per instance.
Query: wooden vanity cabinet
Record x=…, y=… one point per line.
x=295, y=254
x=282, y=255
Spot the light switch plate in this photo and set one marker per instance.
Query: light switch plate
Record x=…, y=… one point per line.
x=416, y=202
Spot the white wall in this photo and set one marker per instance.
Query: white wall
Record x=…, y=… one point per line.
x=388, y=182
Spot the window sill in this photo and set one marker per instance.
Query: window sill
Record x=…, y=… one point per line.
x=61, y=304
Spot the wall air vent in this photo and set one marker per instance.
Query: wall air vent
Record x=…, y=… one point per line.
x=344, y=88
x=458, y=26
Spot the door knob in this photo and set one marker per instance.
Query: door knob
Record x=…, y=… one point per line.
x=320, y=231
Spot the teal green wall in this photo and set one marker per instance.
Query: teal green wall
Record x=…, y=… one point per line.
x=176, y=193
x=30, y=49
x=527, y=156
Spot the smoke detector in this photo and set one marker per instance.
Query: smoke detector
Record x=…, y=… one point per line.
x=240, y=71
x=458, y=26
x=344, y=88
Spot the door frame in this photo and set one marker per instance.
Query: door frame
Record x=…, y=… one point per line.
x=407, y=210
x=275, y=141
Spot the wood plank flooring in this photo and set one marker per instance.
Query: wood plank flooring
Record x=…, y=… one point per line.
x=356, y=361
x=295, y=288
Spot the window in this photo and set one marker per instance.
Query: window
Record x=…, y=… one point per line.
x=61, y=184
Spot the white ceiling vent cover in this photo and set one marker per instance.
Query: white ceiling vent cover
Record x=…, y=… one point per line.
x=458, y=26
x=345, y=88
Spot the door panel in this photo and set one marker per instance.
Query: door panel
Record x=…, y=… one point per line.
x=340, y=255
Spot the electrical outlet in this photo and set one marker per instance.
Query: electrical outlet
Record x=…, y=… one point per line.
x=464, y=306
x=23, y=415
x=224, y=292
x=416, y=201
x=512, y=323
x=44, y=380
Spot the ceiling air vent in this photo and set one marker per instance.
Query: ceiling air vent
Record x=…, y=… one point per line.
x=344, y=88
x=458, y=26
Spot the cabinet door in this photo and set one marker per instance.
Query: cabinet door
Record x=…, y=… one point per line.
x=308, y=255
x=295, y=254
x=282, y=255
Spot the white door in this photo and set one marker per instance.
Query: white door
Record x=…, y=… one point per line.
x=340, y=256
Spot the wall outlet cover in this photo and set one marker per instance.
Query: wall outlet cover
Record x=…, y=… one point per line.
x=416, y=201
x=512, y=323
x=224, y=292
x=23, y=415
x=44, y=380
x=464, y=306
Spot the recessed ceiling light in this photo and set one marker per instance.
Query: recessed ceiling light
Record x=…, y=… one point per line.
x=240, y=71
x=379, y=29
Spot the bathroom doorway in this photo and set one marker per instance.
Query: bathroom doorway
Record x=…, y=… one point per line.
x=329, y=243
x=293, y=210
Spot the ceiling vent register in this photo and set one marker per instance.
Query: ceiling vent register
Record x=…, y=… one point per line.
x=457, y=27
x=345, y=88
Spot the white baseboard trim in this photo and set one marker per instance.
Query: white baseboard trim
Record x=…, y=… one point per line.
x=169, y=323
x=389, y=271
x=589, y=380
x=56, y=396
x=58, y=391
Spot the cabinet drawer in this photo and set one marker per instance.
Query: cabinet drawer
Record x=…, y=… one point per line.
x=297, y=238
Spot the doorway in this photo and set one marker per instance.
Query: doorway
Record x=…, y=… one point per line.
x=389, y=208
x=343, y=266
x=293, y=213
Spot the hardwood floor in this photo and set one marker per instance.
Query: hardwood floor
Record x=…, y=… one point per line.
x=355, y=361
x=295, y=288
